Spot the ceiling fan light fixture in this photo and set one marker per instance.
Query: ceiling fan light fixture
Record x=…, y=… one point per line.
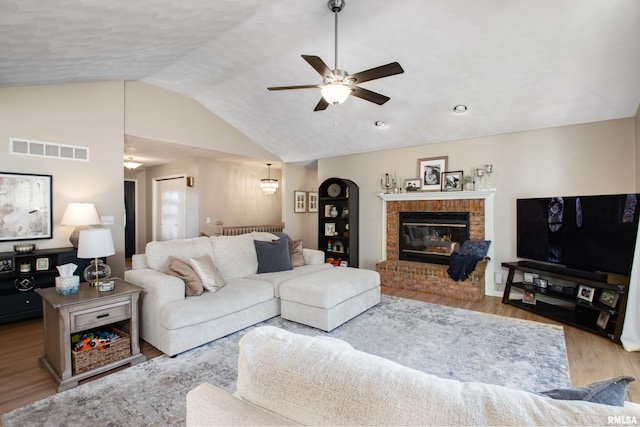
x=130, y=164
x=335, y=93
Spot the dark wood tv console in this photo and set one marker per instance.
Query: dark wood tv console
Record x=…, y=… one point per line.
x=597, y=306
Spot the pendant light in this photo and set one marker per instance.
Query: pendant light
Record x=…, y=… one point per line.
x=269, y=185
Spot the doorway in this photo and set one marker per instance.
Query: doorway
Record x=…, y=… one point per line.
x=169, y=208
x=130, y=218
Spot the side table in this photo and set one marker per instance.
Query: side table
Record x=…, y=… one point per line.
x=89, y=308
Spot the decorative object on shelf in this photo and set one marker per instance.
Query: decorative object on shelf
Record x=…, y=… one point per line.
x=585, y=293
x=42, y=264
x=25, y=267
x=269, y=185
x=334, y=212
x=130, y=164
x=312, y=206
x=334, y=190
x=609, y=298
x=345, y=213
x=387, y=183
x=6, y=265
x=24, y=248
x=529, y=298
x=430, y=172
x=480, y=174
x=488, y=170
x=82, y=215
x=338, y=247
x=541, y=283
x=452, y=181
x=467, y=182
x=299, y=201
x=330, y=229
x=412, y=184
x=26, y=206
x=327, y=210
x=97, y=243
x=24, y=283
x=603, y=319
x=328, y=248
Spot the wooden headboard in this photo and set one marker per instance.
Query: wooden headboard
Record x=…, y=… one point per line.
x=224, y=230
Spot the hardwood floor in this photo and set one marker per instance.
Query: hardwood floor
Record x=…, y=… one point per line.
x=591, y=357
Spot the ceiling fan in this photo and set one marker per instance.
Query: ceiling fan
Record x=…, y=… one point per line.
x=337, y=84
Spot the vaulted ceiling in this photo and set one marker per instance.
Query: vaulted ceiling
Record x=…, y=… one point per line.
x=516, y=65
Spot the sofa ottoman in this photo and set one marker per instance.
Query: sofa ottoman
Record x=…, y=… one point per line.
x=327, y=299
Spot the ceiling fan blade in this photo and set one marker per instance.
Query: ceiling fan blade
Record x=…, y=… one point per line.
x=375, y=73
x=322, y=105
x=319, y=65
x=293, y=87
x=368, y=95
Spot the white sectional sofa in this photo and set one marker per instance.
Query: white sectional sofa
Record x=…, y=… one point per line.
x=290, y=379
x=174, y=322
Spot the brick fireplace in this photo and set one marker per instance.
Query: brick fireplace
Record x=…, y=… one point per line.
x=433, y=278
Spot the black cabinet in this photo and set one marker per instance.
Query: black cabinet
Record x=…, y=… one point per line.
x=595, y=304
x=22, y=274
x=338, y=221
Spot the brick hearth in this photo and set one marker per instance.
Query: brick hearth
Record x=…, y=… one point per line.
x=426, y=277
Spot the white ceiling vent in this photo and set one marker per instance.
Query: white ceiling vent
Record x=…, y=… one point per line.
x=48, y=149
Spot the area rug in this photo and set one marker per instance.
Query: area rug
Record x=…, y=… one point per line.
x=444, y=341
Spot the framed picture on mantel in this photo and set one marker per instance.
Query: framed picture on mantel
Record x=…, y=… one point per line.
x=430, y=172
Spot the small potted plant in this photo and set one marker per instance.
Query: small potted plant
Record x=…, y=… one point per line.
x=467, y=182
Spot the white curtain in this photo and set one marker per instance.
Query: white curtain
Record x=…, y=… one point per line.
x=630, y=336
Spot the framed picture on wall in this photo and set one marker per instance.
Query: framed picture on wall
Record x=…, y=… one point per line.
x=25, y=207
x=312, y=201
x=430, y=172
x=299, y=201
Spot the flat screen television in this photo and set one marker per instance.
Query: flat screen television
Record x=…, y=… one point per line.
x=588, y=233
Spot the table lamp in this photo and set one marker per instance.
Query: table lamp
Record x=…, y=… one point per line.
x=81, y=215
x=96, y=243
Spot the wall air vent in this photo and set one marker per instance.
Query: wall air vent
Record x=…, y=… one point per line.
x=28, y=147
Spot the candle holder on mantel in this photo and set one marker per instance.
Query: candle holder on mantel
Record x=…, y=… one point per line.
x=387, y=182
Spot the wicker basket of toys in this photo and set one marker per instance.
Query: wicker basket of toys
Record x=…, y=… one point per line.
x=92, y=349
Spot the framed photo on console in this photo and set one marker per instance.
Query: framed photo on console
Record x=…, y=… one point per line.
x=452, y=181
x=586, y=293
x=529, y=298
x=25, y=206
x=603, y=319
x=609, y=298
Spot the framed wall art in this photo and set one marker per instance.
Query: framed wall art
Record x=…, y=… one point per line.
x=430, y=172
x=25, y=207
x=300, y=201
x=312, y=200
x=452, y=181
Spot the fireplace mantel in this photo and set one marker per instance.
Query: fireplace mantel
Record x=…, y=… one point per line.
x=486, y=195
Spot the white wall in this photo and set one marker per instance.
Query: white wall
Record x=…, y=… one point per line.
x=594, y=158
x=300, y=225
x=88, y=115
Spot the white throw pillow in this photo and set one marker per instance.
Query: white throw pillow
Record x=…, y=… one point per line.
x=208, y=273
x=235, y=256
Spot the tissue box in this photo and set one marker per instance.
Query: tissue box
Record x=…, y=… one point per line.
x=67, y=285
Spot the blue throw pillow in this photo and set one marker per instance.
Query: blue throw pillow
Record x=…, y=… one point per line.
x=479, y=248
x=273, y=256
x=608, y=392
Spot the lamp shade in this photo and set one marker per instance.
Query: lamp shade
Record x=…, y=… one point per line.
x=80, y=214
x=95, y=243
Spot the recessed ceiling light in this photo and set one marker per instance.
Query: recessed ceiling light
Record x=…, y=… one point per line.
x=460, y=108
x=381, y=124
